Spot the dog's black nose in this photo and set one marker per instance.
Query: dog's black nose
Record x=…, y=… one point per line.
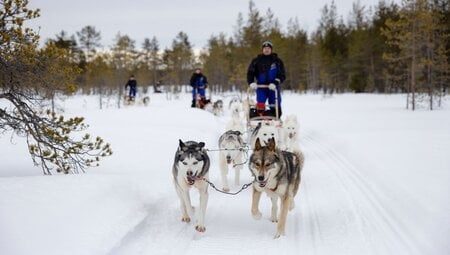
x=189, y=173
x=228, y=157
x=261, y=178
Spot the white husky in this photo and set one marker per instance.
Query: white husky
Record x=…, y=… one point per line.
x=290, y=133
x=190, y=168
x=265, y=131
x=230, y=144
x=235, y=122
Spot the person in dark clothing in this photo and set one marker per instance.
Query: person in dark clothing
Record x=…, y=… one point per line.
x=157, y=87
x=267, y=69
x=132, y=83
x=199, y=83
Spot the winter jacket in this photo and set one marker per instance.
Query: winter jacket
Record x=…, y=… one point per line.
x=266, y=69
x=199, y=81
x=131, y=83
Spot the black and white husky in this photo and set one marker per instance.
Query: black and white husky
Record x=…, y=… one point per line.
x=230, y=144
x=190, y=169
x=277, y=173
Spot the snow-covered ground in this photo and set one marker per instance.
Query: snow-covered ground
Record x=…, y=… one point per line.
x=376, y=181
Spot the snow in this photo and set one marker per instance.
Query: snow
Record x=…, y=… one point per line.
x=375, y=181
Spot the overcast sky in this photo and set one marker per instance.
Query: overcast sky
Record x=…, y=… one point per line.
x=199, y=19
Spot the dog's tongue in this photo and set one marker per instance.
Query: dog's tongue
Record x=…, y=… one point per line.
x=190, y=180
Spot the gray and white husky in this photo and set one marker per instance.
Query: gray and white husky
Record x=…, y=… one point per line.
x=230, y=144
x=277, y=173
x=190, y=169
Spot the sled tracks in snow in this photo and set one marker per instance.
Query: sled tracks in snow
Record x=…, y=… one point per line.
x=345, y=213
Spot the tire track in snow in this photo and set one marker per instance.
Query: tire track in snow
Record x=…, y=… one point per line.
x=370, y=212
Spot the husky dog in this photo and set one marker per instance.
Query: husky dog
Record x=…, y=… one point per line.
x=190, y=166
x=264, y=132
x=277, y=173
x=235, y=109
x=290, y=133
x=233, y=101
x=146, y=100
x=127, y=100
x=235, y=124
x=218, y=107
x=230, y=144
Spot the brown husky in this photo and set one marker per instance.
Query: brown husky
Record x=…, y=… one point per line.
x=277, y=173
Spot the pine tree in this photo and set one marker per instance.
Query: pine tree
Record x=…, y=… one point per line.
x=151, y=58
x=216, y=62
x=179, y=60
x=332, y=40
x=89, y=39
x=26, y=75
x=414, y=34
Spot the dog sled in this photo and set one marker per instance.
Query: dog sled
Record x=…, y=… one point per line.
x=256, y=118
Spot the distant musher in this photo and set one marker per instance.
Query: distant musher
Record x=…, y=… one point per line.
x=132, y=83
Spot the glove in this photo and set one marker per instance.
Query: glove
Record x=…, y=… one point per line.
x=253, y=85
x=272, y=87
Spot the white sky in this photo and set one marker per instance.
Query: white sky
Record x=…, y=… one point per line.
x=200, y=19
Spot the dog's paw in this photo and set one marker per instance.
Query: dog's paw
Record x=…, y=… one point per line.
x=186, y=219
x=278, y=234
x=256, y=215
x=200, y=228
x=226, y=189
x=274, y=219
x=292, y=205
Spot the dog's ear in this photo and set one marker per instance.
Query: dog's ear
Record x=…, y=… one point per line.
x=271, y=144
x=201, y=145
x=181, y=144
x=257, y=144
x=237, y=132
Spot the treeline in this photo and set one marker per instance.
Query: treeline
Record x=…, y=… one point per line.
x=387, y=48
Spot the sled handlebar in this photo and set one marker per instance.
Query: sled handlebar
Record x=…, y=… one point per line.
x=265, y=86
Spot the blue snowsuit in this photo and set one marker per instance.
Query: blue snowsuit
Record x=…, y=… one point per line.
x=199, y=83
x=267, y=69
x=132, y=84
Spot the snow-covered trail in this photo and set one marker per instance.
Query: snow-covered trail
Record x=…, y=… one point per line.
x=361, y=192
x=338, y=212
x=345, y=207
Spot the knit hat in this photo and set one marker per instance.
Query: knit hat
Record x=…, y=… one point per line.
x=267, y=44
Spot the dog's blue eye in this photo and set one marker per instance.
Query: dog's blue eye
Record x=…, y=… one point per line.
x=184, y=163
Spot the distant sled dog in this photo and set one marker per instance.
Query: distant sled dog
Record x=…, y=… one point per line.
x=218, y=108
x=235, y=124
x=146, y=100
x=277, y=173
x=230, y=144
x=190, y=166
x=290, y=133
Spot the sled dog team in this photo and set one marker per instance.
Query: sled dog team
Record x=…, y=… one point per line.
x=275, y=163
